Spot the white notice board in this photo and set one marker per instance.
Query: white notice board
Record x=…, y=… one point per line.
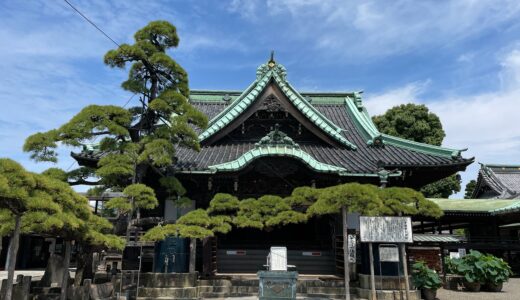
x=385, y=229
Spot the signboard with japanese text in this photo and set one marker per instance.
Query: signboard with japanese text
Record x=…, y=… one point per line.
x=385, y=229
x=388, y=253
x=351, y=248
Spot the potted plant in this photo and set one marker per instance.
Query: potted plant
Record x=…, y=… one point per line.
x=426, y=279
x=452, y=279
x=472, y=267
x=497, y=271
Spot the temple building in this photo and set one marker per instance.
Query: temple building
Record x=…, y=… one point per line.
x=498, y=181
x=271, y=138
x=488, y=222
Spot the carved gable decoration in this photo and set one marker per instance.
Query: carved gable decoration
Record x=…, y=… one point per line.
x=272, y=104
x=277, y=137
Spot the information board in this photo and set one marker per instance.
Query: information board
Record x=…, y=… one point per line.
x=385, y=229
x=351, y=248
x=388, y=254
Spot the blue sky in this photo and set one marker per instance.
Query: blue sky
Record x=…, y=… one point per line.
x=460, y=58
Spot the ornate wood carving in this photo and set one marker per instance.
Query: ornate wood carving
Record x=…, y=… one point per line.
x=272, y=104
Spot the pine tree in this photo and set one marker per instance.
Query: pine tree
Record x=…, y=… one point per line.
x=34, y=203
x=136, y=141
x=367, y=200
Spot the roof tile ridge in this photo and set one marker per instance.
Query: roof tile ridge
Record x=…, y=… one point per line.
x=332, y=129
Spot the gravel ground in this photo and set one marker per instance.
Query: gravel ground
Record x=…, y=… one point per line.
x=511, y=291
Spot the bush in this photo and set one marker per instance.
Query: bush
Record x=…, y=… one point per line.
x=481, y=268
x=496, y=270
x=424, y=277
x=471, y=266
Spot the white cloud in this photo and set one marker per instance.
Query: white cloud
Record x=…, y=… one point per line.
x=359, y=28
x=485, y=123
x=378, y=104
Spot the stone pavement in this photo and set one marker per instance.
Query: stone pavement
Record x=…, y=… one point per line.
x=511, y=291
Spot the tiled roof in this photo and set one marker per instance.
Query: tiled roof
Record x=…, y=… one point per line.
x=265, y=74
x=362, y=149
x=502, y=180
x=486, y=206
x=364, y=159
x=436, y=238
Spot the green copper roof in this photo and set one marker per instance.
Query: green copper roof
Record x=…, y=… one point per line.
x=277, y=150
x=491, y=206
x=373, y=137
x=276, y=143
x=277, y=73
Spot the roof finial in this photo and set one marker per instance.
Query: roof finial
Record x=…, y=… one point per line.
x=271, y=62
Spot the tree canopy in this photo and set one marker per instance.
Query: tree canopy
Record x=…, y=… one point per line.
x=470, y=188
x=411, y=121
x=135, y=141
x=415, y=122
x=36, y=203
x=226, y=211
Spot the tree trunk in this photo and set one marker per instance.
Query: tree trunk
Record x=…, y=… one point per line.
x=129, y=218
x=66, y=275
x=11, y=257
x=345, y=252
x=193, y=254
x=84, y=265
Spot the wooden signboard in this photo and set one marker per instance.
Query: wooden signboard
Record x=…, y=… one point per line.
x=385, y=229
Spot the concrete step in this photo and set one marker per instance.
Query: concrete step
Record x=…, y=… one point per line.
x=329, y=290
x=168, y=280
x=242, y=289
x=213, y=295
x=245, y=282
x=388, y=294
x=164, y=298
x=324, y=297
x=177, y=293
x=214, y=289
x=215, y=282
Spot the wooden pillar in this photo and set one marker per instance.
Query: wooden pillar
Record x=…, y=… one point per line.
x=372, y=273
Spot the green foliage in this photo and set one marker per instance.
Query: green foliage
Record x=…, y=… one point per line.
x=482, y=268
x=42, y=145
x=113, y=166
x=424, y=277
x=471, y=266
x=172, y=185
x=96, y=191
x=121, y=204
x=47, y=205
x=302, y=197
x=442, y=188
x=266, y=211
x=56, y=173
x=415, y=122
x=406, y=201
x=470, y=188
x=362, y=198
x=195, y=224
x=411, y=121
x=450, y=265
x=143, y=196
x=223, y=204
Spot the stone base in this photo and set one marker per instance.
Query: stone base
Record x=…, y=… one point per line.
x=384, y=282
x=388, y=294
